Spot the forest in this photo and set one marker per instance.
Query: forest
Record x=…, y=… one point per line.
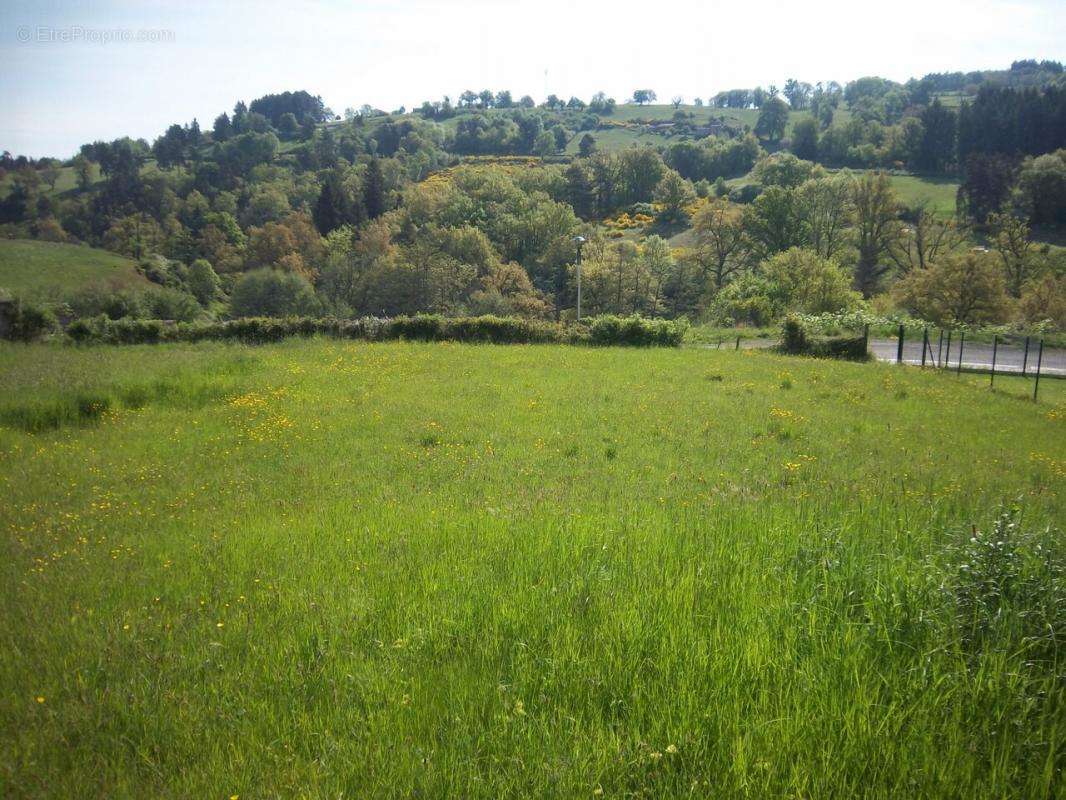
x=731, y=210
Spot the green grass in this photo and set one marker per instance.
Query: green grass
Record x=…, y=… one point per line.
x=49, y=269
x=939, y=193
x=326, y=569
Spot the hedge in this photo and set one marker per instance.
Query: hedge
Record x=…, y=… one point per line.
x=796, y=342
x=628, y=331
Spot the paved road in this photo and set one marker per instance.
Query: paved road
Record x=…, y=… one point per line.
x=975, y=355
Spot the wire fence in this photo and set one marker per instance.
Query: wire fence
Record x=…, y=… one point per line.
x=949, y=349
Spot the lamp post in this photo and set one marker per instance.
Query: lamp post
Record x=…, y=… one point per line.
x=579, y=240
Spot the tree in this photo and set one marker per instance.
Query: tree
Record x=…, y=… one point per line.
x=805, y=139
x=202, y=281
x=50, y=174
x=272, y=293
x=223, y=128
x=876, y=210
x=374, y=190
x=674, y=193
x=135, y=235
x=587, y=146
x=1045, y=299
x=676, y=101
x=288, y=126
x=784, y=170
x=580, y=193
x=924, y=238
x=963, y=289
x=986, y=185
x=773, y=222
x=1010, y=240
x=773, y=119
x=809, y=283
x=824, y=207
x=936, y=149
x=335, y=206
x=721, y=247
x=544, y=145
x=643, y=96
x=83, y=169
x=1041, y=188
x=798, y=93
x=601, y=104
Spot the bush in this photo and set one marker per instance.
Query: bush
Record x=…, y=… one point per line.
x=272, y=293
x=170, y=304
x=794, y=337
x=25, y=321
x=1008, y=588
x=637, y=331
x=633, y=331
x=796, y=342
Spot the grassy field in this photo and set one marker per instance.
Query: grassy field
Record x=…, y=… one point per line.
x=326, y=569
x=939, y=193
x=49, y=269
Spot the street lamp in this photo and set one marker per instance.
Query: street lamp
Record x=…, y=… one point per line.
x=579, y=241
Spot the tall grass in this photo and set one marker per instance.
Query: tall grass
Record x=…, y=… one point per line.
x=396, y=570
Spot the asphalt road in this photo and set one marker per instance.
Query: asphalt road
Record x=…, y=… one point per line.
x=975, y=355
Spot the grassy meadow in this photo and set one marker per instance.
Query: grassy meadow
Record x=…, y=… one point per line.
x=330, y=569
x=51, y=269
x=938, y=193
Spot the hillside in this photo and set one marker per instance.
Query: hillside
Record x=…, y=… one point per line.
x=51, y=269
x=705, y=211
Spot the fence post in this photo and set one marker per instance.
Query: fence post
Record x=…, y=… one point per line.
x=947, y=351
x=866, y=337
x=738, y=344
x=1025, y=356
x=1039, y=358
x=962, y=341
x=925, y=344
x=899, y=347
x=939, y=348
x=995, y=348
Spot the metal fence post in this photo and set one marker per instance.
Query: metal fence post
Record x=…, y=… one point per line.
x=939, y=348
x=962, y=341
x=995, y=348
x=1025, y=356
x=899, y=347
x=738, y=344
x=947, y=351
x=925, y=343
x=1039, y=358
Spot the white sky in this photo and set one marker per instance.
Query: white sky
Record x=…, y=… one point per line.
x=55, y=95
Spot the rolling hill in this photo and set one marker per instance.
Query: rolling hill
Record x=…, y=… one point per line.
x=50, y=269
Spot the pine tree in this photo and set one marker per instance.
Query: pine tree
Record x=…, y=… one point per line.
x=334, y=206
x=374, y=190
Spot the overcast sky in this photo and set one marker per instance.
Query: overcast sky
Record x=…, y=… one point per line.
x=57, y=94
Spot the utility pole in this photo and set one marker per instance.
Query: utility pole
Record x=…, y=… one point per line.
x=580, y=241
